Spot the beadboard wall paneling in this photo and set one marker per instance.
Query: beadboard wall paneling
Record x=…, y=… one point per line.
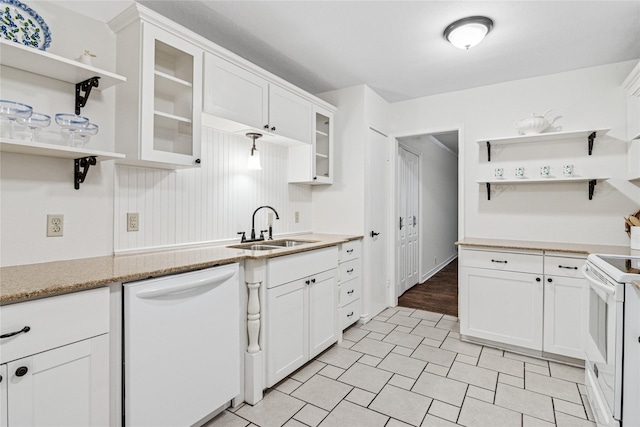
x=210, y=203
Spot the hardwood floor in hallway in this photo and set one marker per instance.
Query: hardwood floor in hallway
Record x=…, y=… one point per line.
x=438, y=294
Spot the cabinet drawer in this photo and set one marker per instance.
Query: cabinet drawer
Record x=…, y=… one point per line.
x=292, y=267
x=349, y=314
x=350, y=250
x=563, y=266
x=502, y=261
x=54, y=322
x=349, y=270
x=350, y=291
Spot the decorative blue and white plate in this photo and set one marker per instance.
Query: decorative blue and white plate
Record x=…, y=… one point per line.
x=21, y=24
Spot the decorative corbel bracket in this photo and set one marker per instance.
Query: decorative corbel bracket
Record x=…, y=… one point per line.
x=83, y=89
x=84, y=163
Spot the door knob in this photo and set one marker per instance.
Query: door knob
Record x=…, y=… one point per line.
x=374, y=234
x=22, y=371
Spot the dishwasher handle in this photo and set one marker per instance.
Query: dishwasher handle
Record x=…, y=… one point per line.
x=160, y=290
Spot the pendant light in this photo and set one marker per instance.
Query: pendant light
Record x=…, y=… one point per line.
x=253, y=164
x=468, y=32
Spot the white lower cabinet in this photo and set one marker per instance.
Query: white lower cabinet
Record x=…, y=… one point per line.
x=350, y=283
x=528, y=300
x=56, y=373
x=301, y=314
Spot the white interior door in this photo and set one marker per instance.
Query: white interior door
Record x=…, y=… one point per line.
x=401, y=233
x=377, y=239
x=407, y=242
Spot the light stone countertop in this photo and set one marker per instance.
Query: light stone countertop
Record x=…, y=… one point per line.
x=31, y=281
x=574, y=248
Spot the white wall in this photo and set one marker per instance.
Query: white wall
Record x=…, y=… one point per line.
x=213, y=202
x=31, y=186
x=438, y=203
x=584, y=99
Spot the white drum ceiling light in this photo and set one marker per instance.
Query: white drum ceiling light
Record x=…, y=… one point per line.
x=468, y=32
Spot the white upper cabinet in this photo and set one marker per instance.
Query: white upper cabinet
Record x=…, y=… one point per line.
x=158, y=119
x=313, y=164
x=240, y=101
x=632, y=88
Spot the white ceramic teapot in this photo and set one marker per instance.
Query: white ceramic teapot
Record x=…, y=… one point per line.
x=533, y=124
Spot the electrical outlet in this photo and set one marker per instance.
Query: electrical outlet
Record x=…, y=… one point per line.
x=270, y=219
x=55, y=225
x=297, y=217
x=133, y=221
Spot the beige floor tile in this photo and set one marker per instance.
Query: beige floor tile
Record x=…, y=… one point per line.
x=354, y=333
x=427, y=315
x=405, y=351
x=444, y=410
x=449, y=325
x=388, y=312
x=403, y=365
x=582, y=389
x=346, y=344
x=428, y=323
x=524, y=401
x=434, y=355
x=511, y=380
x=366, y=377
x=491, y=350
x=360, y=397
x=273, y=410
x=542, y=370
x=311, y=415
x=524, y=358
x=403, y=339
x=367, y=359
x=379, y=327
x=288, y=385
x=437, y=369
x=453, y=334
x=373, y=347
x=294, y=423
x=566, y=372
x=476, y=413
x=350, y=414
x=227, y=419
x=406, y=311
x=564, y=420
x=322, y=392
x=403, y=329
x=528, y=421
x=395, y=423
x=587, y=407
x=340, y=357
x=381, y=318
x=331, y=372
x=401, y=404
x=569, y=408
x=480, y=377
x=440, y=388
x=432, y=421
x=481, y=394
x=403, y=319
x=307, y=371
x=463, y=358
x=376, y=336
x=402, y=381
x=502, y=364
x=431, y=343
x=458, y=346
x=448, y=317
x=552, y=387
x=430, y=332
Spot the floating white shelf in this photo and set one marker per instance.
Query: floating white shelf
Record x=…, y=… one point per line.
x=319, y=132
x=588, y=135
x=172, y=117
x=551, y=180
x=56, y=67
x=324, y=156
x=51, y=150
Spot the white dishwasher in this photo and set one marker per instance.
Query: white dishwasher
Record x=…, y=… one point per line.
x=181, y=346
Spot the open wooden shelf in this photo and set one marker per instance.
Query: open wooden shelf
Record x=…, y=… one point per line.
x=551, y=180
x=51, y=150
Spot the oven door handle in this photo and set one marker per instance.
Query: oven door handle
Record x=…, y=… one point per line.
x=596, y=284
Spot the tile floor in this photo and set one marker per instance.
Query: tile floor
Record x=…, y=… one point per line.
x=408, y=367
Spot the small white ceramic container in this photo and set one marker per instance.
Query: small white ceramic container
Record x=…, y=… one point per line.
x=499, y=173
x=545, y=171
x=567, y=170
x=520, y=172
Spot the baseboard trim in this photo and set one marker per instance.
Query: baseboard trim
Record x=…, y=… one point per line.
x=437, y=268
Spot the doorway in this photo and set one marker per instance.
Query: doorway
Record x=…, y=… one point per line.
x=433, y=275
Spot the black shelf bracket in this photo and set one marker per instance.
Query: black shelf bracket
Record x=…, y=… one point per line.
x=592, y=186
x=488, y=191
x=489, y=151
x=83, y=89
x=591, y=137
x=84, y=163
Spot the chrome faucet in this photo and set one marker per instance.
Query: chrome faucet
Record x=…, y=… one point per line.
x=253, y=222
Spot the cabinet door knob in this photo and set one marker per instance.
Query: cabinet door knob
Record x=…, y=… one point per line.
x=349, y=251
x=538, y=279
x=313, y=280
x=197, y=161
x=350, y=314
x=350, y=270
x=273, y=128
x=307, y=281
x=0, y=378
x=266, y=126
x=350, y=292
x=22, y=371
x=550, y=280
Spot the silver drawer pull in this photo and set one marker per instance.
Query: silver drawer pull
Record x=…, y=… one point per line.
x=349, y=271
x=350, y=314
x=499, y=261
x=349, y=251
x=568, y=268
x=12, y=334
x=350, y=292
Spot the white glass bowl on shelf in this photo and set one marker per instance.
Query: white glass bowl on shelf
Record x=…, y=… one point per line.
x=71, y=123
x=85, y=134
x=34, y=122
x=13, y=111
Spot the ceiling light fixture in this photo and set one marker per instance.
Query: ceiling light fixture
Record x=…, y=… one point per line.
x=253, y=164
x=468, y=32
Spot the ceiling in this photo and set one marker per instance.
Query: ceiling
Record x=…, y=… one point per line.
x=397, y=48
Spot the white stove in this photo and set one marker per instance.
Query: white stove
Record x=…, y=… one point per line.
x=612, y=365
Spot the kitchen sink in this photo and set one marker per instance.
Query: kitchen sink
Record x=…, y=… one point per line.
x=268, y=245
x=288, y=243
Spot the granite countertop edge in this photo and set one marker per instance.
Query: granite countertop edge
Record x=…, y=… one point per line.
x=557, y=247
x=34, y=281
